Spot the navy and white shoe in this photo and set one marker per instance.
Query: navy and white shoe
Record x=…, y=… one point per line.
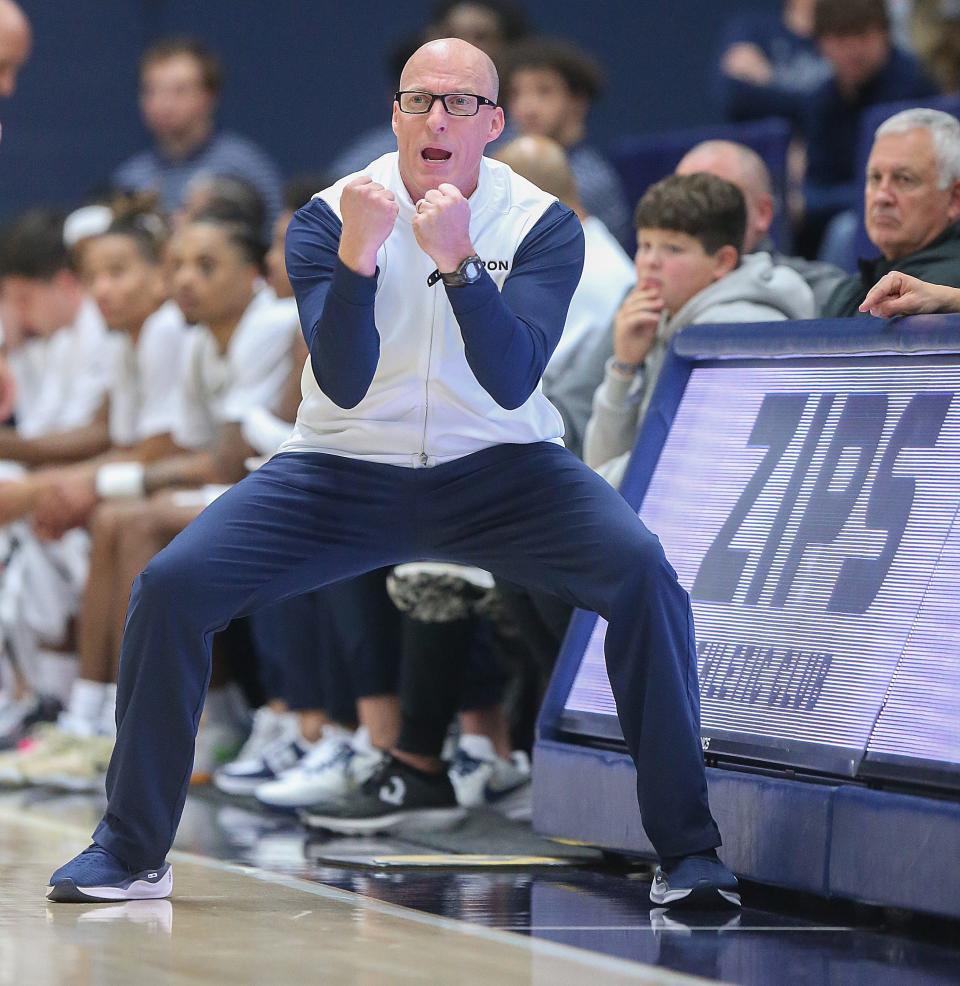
x=97, y=876
x=481, y=779
x=699, y=881
x=246, y=774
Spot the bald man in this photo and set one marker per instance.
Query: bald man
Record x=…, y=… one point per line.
x=15, y=42
x=432, y=289
x=742, y=166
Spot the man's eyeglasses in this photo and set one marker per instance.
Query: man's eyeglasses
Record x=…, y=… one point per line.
x=455, y=103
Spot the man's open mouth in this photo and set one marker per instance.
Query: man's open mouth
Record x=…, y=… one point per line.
x=435, y=154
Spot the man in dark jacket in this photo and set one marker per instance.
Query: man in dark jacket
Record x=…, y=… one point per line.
x=854, y=37
x=912, y=205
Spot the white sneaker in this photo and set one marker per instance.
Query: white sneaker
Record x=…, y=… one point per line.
x=482, y=779
x=334, y=768
x=268, y=726
x=244, y=776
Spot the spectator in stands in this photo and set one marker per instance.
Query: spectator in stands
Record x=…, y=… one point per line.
x=854, y=36
x=690, y=269
x=180, y=82
x=550, y=86
x=935, y=31
x=15, y=41
x=912, y=204
x=770, y=63
x=744, y=168
x=487, y=24
x=900, y=294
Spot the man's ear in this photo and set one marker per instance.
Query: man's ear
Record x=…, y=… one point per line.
x=725, y=260
x=765, y=209
x=393, y=116
x=497, y=123
x=953, y=208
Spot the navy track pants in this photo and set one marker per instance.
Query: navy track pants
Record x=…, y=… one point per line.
x=531, y=514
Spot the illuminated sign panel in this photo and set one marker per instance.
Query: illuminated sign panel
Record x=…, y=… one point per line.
x=810, y=508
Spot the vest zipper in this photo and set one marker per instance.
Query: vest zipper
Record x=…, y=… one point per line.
x=423, y=457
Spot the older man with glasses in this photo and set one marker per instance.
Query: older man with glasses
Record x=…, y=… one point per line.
x=432, y=290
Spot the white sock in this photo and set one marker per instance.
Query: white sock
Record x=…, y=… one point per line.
x=107, y=723
x=86, y=700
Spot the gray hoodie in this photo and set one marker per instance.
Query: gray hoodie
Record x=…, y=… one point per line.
x=757, y=291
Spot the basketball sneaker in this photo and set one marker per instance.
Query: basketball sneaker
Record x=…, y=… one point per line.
x=81, y=766
x=333, y=769
x=482, y=779
x=19, y=716
x=45, y=739
x=394, y=798
x=275, y=745
x=98, y=876
x=697, y=881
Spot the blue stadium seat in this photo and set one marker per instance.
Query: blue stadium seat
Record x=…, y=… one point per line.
x=643, y=159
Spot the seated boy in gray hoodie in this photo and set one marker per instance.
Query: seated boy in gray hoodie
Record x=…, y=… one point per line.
x=690, y=269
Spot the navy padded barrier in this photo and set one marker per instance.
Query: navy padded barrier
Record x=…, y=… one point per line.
x=775, y=831
x=831, y=337
x=897, y=850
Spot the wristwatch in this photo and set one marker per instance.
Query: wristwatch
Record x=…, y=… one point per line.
x=468, y=272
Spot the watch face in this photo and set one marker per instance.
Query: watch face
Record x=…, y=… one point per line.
x=471, y=270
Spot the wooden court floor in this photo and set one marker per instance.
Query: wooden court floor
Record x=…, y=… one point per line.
x=239, y=925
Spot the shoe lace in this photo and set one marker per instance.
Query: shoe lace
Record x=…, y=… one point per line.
x=327, y=754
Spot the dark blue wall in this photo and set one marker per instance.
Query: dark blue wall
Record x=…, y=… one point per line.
x=305, y=75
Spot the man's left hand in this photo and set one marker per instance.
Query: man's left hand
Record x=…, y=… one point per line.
x=442, y=227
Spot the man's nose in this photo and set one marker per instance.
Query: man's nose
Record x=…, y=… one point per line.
x=883, y=191
x=437, y=117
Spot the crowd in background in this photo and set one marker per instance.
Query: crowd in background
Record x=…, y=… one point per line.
x=152, y=356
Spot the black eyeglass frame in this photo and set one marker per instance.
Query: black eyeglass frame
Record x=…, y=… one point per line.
x=443, y=97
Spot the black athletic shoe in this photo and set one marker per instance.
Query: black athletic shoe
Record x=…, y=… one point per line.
x=394, y=798
x=700, y=881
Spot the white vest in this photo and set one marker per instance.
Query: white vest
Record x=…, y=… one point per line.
x=424, y=405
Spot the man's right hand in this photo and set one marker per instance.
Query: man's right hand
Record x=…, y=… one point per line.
x=635, y=325
x=901, y=294
x=369, y=212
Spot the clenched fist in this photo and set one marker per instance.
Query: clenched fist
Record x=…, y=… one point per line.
x=635, y=325
x=442, y=227
x=369, y=212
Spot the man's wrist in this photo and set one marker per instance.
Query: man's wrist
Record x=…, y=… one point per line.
x=359, y=261
x=624, y=368
x=449, y=262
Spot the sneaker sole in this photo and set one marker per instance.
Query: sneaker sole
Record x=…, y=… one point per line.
x=67, y=892
x=237, y=785
x=75, y=785
x=704, y=898
x=427, y=820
